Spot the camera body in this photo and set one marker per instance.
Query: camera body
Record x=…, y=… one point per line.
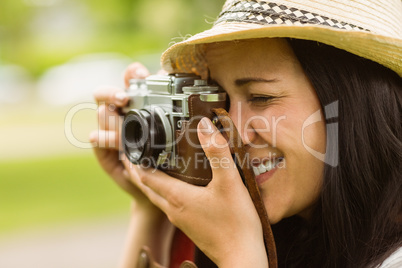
x=160, y=124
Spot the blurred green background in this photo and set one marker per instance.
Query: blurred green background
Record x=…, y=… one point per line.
x=53, y=54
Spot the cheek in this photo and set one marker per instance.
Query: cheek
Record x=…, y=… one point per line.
x=281, y=129
x=313, y=134
x=301, y=127
x=296, y=187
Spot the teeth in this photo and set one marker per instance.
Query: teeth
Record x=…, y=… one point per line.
x=256, y=171
x=266, y=166
x=262, y=168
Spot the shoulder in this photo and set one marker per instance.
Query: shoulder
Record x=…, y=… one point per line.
x=394, y=260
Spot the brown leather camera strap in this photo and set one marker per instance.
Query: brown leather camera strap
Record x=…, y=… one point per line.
x=235, y=142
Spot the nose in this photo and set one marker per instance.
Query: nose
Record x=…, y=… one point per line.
x=241, y=118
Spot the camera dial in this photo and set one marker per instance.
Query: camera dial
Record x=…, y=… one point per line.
x=200, y=86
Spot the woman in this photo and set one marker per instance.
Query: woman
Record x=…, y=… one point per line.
x=324, y=122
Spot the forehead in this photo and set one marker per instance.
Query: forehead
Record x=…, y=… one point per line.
x=254, y=55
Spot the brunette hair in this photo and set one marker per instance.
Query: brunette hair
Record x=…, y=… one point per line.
x=357, y=222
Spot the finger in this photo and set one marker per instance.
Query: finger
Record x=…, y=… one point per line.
x=109, y=161
x=168, y=188
x=218, y=153
x=109, y=118
x=135, y=70
x=111, y=94
x=137, y=177
x=104, y=139
x=162, y=72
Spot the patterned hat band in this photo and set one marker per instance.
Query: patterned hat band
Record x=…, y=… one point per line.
x=264, y=13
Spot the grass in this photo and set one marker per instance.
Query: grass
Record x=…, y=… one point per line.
x=56, y=190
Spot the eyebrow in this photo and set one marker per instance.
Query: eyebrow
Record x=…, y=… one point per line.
x=243, y=81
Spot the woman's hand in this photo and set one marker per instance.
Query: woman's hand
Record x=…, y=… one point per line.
x=149, y=225
x=219, y=218
x=106, y=139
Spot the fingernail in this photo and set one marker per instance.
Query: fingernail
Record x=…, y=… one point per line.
x=121, y=95
x=205, y=126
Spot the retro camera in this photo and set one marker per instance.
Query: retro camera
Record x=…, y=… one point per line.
x=160, y=124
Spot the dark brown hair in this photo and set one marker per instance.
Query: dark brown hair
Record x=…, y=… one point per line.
x=357, y=222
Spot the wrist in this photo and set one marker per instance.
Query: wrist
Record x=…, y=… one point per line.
x=150, y=227
x=146, y=211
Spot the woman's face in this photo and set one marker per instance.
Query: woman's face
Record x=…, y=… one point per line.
x=271, y=101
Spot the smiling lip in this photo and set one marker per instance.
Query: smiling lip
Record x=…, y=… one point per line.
x=265, y=176
x=267, y=163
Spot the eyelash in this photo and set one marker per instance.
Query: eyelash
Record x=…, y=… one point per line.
x=260, y=99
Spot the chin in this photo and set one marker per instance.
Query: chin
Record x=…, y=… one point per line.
x=274, y=218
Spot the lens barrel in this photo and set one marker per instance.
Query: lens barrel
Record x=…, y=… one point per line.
x=143, y=136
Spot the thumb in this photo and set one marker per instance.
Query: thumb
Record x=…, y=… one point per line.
x=217, y=151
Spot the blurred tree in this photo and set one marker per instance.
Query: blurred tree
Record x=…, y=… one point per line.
x=38, y=34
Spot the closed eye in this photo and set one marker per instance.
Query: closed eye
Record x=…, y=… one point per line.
x=260, y=99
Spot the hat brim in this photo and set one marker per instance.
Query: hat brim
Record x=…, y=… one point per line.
x=186, y=56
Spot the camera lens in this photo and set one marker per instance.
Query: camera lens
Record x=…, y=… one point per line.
x=143, y=136
x=135, y=132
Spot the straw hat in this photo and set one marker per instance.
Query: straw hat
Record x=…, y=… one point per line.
x=369, y=28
